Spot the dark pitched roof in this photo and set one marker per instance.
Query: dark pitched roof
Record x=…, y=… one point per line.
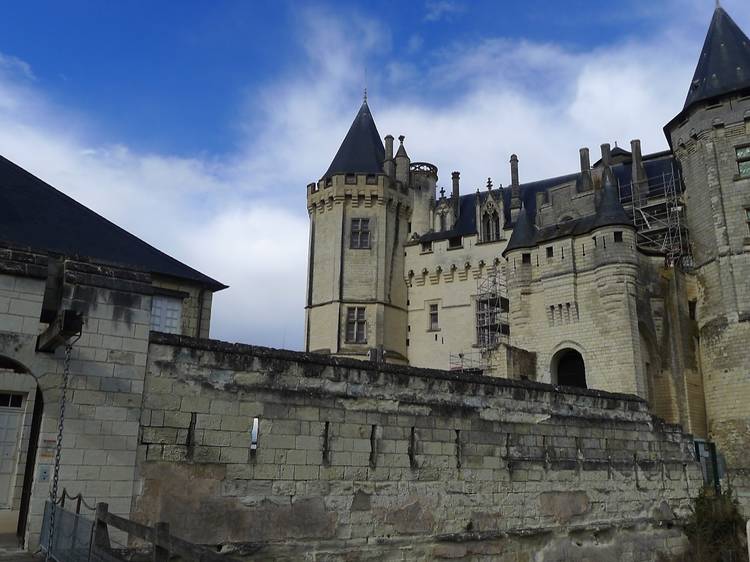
x=34, y=214
x=610, y=211
x=724, y=64
x=657, y=166
x=524, y=233
x=362, y=151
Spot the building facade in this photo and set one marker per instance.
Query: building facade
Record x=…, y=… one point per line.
x=631, y=275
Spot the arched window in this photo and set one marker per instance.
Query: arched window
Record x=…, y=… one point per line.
x=490, y=226
x=568, y=368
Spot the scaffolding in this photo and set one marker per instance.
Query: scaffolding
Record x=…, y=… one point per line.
x=491, y=322
x=658, y=213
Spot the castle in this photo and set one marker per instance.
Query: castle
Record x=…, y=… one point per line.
x=558, y=317
x=631, y=275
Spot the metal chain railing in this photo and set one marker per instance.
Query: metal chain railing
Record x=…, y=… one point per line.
x=58, y=446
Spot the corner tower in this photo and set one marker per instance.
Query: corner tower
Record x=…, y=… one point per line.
x=711, y=139
x=356, y=295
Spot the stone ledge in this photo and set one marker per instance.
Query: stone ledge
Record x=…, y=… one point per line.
x=219, y=346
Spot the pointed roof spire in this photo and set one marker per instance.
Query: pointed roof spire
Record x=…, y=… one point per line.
x=524, y=233
x=610, y=211
x=724, y=64
x=401, y=150
x=362, y=151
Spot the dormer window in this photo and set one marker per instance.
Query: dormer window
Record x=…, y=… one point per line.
x=490, y=226
x=426, y=247
x=743, y=161
x=455, y=242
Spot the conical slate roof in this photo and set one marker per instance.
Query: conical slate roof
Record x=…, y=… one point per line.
x=610, y=211
x=524, y=234
x=724, y=64
x=362, y=151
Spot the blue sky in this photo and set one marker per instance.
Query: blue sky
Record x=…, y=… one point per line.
x=197, y=125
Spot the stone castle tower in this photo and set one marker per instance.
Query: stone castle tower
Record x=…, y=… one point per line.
x=710, y=138
x=359, y=220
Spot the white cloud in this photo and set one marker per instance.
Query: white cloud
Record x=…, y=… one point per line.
x=242, y=218
x=435, y=10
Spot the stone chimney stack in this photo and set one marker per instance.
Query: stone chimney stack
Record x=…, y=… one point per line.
x=455, y=178
x=515, y=189
x=389, y=165
x=586, y=182
x=640, y=181
x=606, y=164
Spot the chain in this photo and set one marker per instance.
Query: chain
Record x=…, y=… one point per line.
x=58, y=448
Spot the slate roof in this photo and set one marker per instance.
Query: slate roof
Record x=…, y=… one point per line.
x=524, y=233
x=656, y=166
x=362, y=151
x=610, y=211
x=34, y=214
x=724, y=63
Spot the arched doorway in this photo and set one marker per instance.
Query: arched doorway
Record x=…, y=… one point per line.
x=21, y=409
x=568, y=368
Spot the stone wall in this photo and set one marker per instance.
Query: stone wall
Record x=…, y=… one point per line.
x=358, y=461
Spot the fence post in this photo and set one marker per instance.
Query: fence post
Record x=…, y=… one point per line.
x=101, y=534
x=161, y=540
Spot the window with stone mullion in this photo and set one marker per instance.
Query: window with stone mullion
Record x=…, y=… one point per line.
x=356, y=325
x=743, y=161
x=360, y=234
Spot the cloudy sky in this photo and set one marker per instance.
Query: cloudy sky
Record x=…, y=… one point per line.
x=197, y=125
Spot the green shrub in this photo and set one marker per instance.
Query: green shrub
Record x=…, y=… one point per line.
x=715, y=529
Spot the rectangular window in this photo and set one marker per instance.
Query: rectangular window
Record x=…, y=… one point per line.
x=526, y=258
x=360, y=235
x=434, y=323
x=371, y=179
x=747, y=219
x=618, y=236
x=10, y=400
x=356, y=326
x=455, y=242
x=743, y=161
x=426, y=247
x=166, y=314
x=550, y=251
x=350, y=179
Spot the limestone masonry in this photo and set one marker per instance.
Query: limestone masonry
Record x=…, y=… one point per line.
x=547, y=371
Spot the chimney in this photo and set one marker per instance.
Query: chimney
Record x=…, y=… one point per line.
x=640, y=181
x=455, y=177
x=606, y=164
x=515, y=189
x=389, y=166
x=586, y=183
